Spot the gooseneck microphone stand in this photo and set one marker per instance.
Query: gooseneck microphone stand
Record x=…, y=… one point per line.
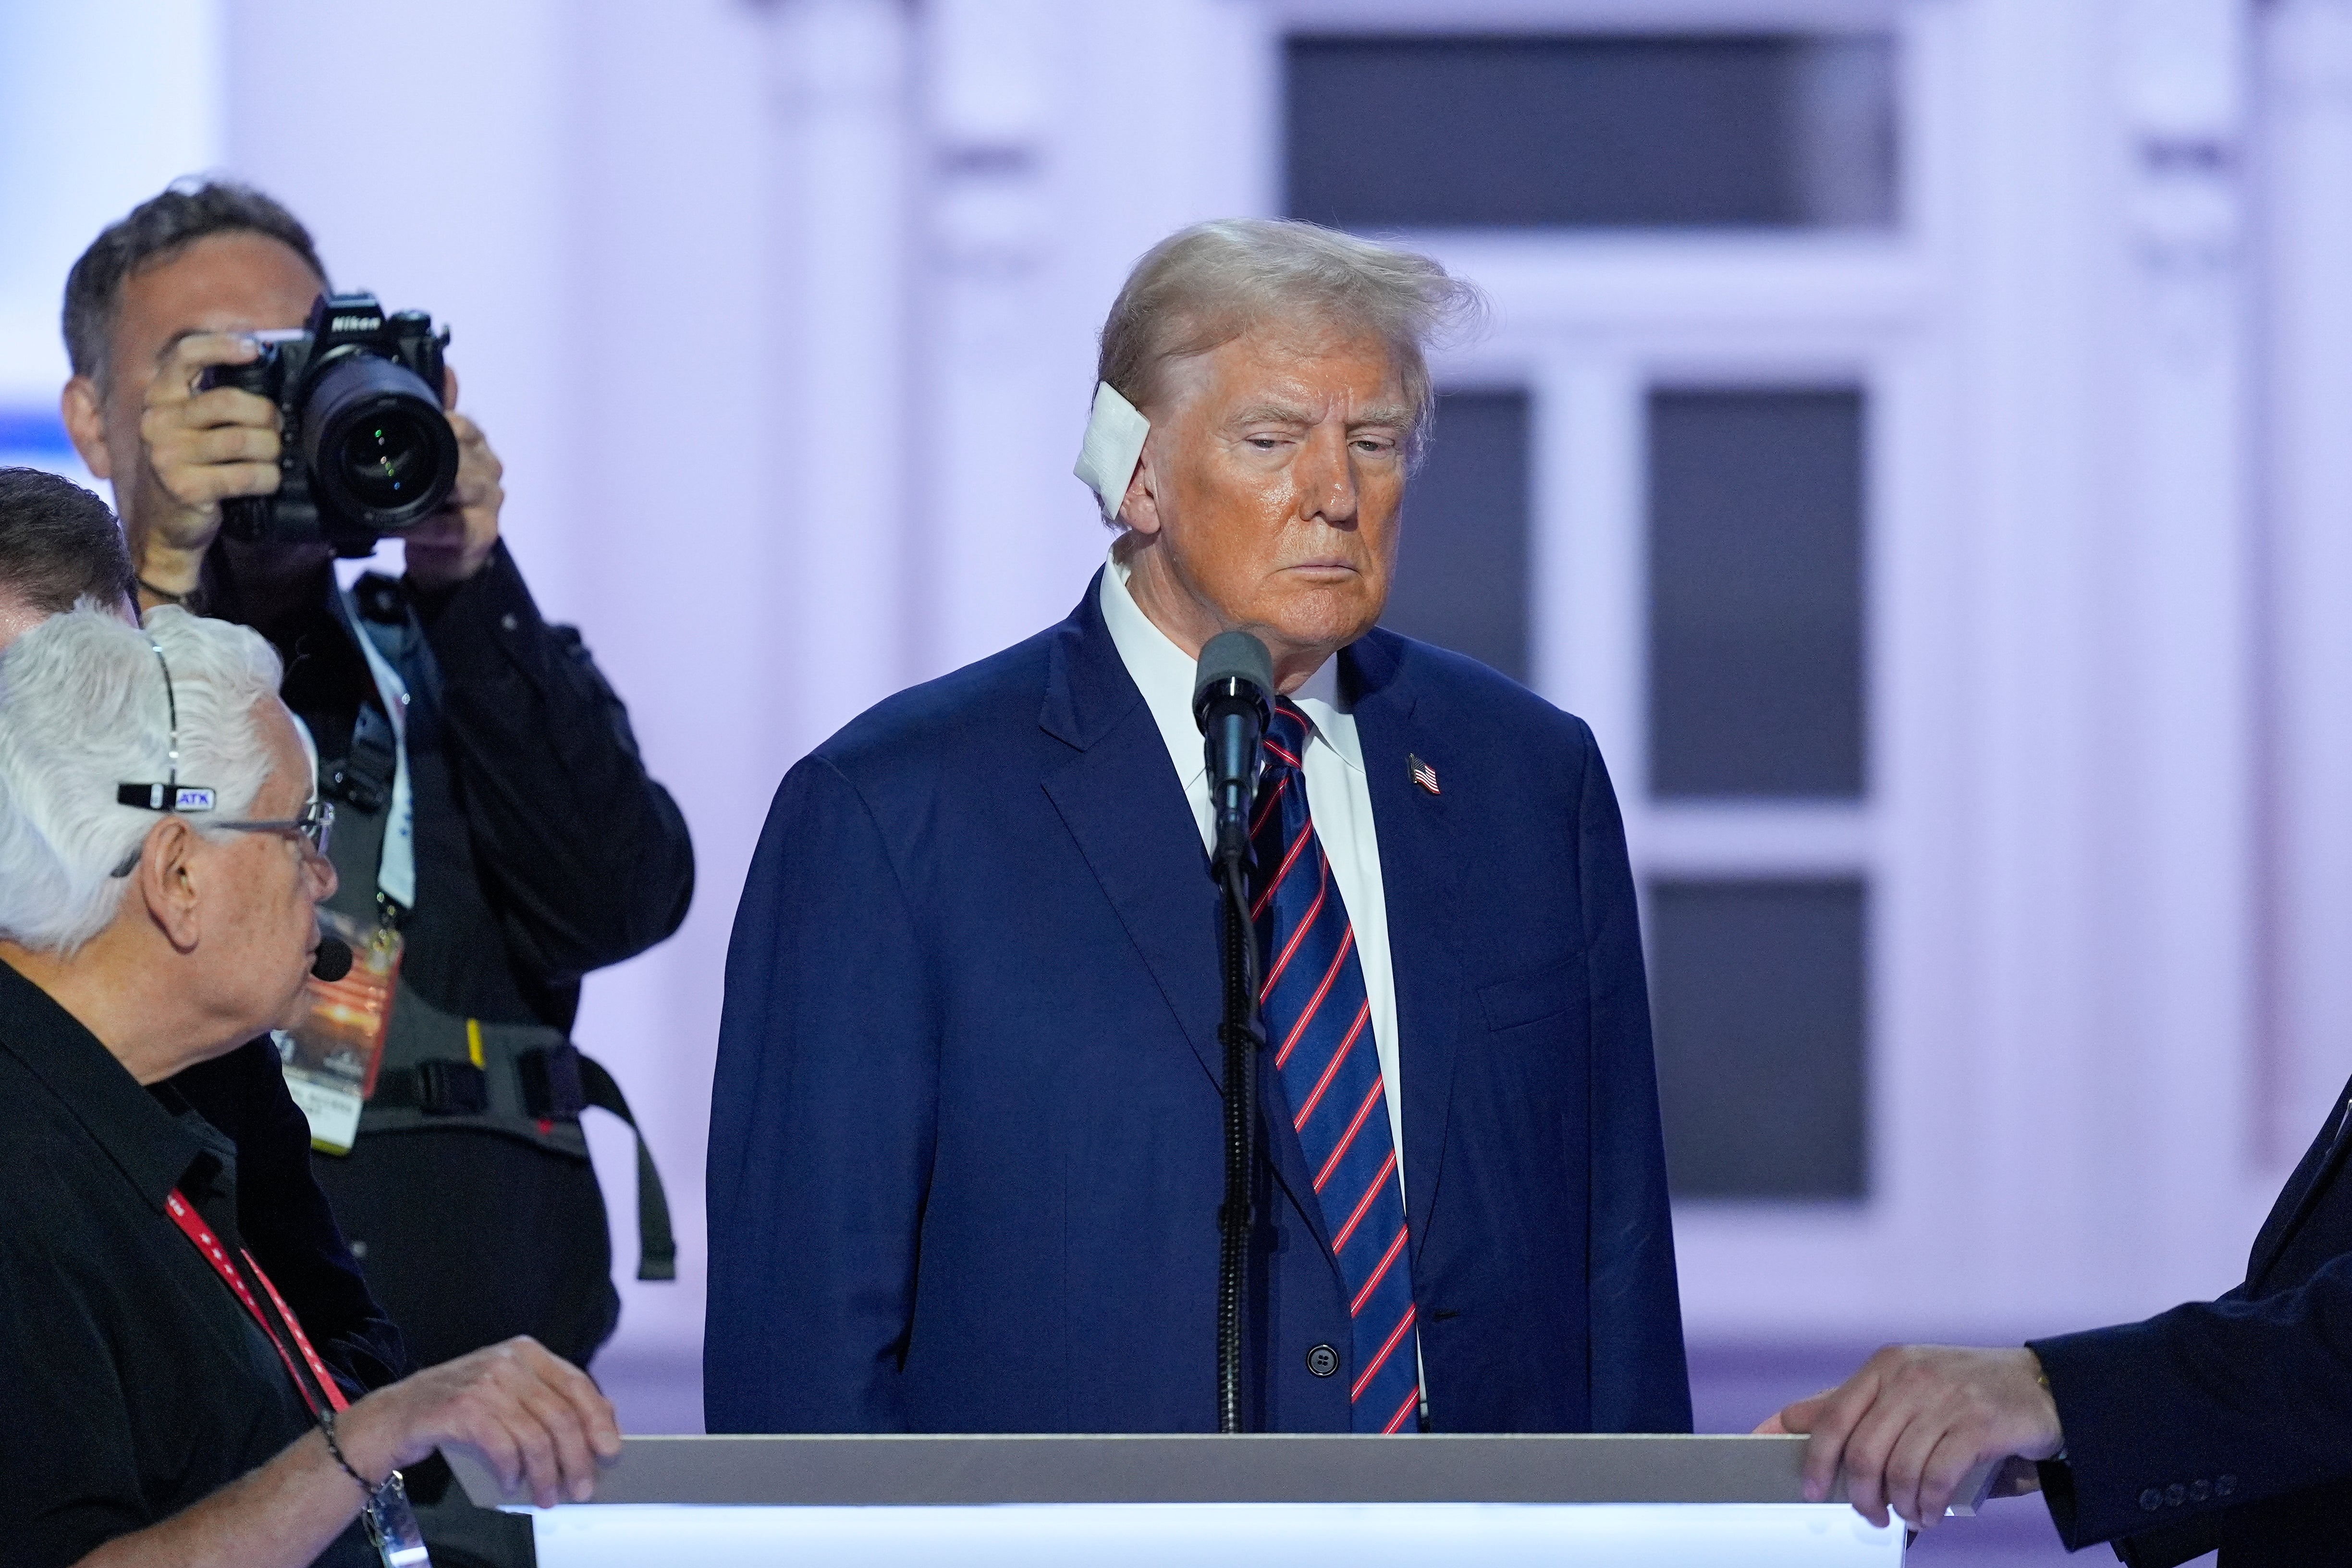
x=1232, y=700
x=1238, y=1031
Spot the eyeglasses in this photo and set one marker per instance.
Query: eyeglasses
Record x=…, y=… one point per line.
x=316, y=824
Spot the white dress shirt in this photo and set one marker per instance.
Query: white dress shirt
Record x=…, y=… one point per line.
x=1336, y=796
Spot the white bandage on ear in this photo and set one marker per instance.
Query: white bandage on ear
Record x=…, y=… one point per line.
x=1114, y=445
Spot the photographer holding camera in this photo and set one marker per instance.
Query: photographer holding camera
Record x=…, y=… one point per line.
x=498, y=834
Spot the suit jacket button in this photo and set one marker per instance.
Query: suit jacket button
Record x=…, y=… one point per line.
x=2224, y=1485
x=2151, y=1500
x=1322, y=1361
x=2200, y=1490
x=2175, y=1495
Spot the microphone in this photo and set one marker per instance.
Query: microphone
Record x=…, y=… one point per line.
x=333, y=959
x=1233, y=701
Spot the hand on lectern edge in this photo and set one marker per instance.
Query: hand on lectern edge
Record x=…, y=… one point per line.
x=1903, y=1432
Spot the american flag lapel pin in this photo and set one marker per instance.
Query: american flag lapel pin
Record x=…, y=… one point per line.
x=1423, y=773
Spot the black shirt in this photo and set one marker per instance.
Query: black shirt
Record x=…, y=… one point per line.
x=284, y=1216
x=133, y=1384
x=544, y=850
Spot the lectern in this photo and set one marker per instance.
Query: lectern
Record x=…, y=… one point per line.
x=1207, y=1501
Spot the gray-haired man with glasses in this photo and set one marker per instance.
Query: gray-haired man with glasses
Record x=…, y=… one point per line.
x=160, y=877
x=60, y=546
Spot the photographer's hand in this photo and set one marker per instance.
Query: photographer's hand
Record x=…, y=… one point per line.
x=197, y=449
x=451, y=546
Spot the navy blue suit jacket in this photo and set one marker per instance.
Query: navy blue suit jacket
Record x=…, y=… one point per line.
x=2220, y=1424
x=965, y=1149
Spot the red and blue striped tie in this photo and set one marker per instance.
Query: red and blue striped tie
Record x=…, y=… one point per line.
x=1318, y=1024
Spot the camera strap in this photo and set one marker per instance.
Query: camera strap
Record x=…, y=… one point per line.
x=331, y=1056
x=395, y=877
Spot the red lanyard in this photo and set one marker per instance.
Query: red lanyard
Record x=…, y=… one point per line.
x=191, y=1225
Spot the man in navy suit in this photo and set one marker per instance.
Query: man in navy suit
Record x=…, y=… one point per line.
x=2217, y=1423
x=965, y=1155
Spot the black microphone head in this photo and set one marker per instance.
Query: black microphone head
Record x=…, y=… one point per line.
x=333, y=959
x=1233, y=657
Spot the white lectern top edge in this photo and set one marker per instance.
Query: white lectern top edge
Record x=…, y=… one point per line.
x=957, y=1470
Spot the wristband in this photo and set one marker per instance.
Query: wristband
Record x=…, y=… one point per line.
x=164, y=593
x=368, y=1488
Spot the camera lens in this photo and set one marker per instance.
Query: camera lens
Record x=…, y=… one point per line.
x=385, y=458
x=379, y=450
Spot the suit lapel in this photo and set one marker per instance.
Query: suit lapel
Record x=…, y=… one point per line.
x=2301, y=1191
x=1420, y=879
x=1121, y=801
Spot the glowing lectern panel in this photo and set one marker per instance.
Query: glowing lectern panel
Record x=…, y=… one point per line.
x=1144, y=1501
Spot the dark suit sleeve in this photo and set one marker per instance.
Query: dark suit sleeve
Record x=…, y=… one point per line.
x=822, y=1121
x=2258, y=1391
x=1638, y=1379
x=283, y=1217
x=589, y=856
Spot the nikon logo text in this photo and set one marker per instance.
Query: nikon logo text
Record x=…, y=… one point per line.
x=354, y=323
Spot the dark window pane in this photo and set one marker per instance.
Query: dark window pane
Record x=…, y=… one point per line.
x=1756, y=605
x=1403, y=132
x=1759, y=992
x=1462, y=565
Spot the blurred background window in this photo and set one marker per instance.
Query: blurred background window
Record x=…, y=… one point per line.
x=1756, y=692
x=1756, y=655
x=1512, y=131
x=1462, y=563
x=1759, y=992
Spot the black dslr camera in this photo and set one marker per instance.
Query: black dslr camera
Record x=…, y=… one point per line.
x=367, y=449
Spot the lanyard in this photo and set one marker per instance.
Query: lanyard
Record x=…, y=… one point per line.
x=395, y=876
x=191, y=1225
x=390, y=1522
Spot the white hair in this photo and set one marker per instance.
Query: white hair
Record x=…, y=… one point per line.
x=83, y=710
x=1207, y=285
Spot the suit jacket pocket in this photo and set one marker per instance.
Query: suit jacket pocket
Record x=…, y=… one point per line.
x=1526, y=999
